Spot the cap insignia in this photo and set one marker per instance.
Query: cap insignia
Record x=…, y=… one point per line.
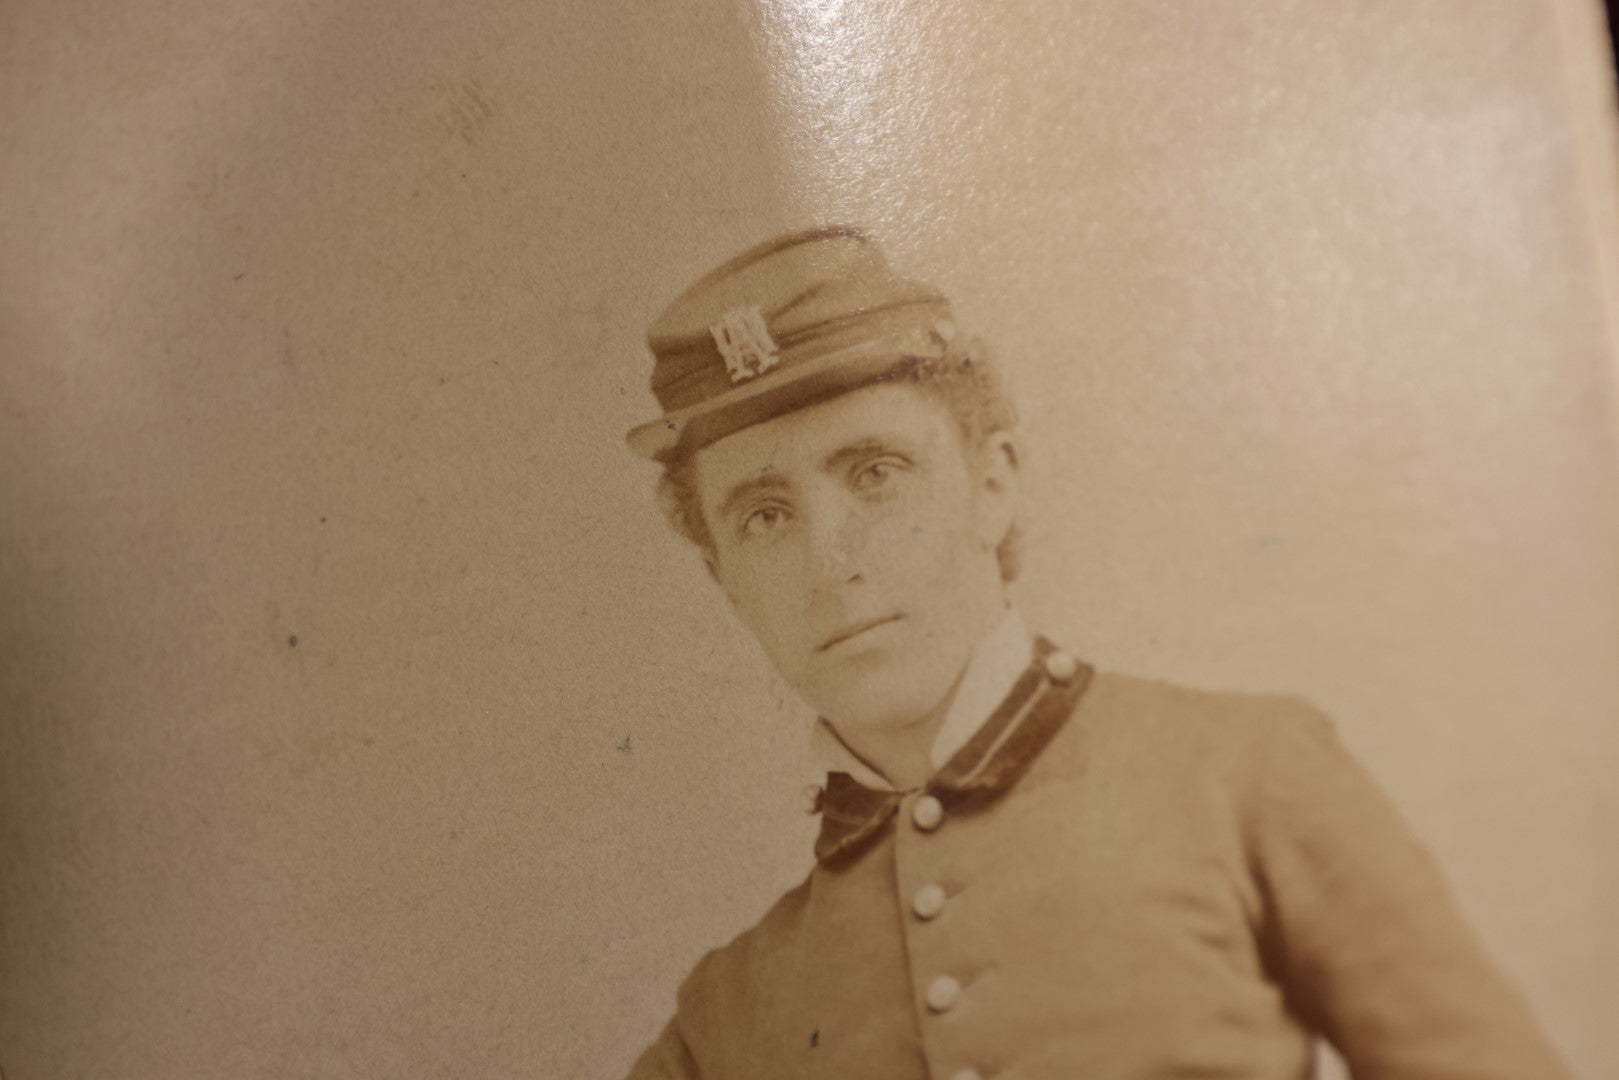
x=744, y=340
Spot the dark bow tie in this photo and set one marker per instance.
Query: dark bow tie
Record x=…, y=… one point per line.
x=1039, y=703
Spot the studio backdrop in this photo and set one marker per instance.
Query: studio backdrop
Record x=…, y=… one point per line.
x=361, y=718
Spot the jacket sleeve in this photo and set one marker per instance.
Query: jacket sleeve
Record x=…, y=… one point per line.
x=1369, y=942
x=669, y=1058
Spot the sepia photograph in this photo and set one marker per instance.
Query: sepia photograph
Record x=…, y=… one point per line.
x=1092, y=875
x=723, y=541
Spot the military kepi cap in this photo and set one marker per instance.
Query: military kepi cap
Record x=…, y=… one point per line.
x=794, y=321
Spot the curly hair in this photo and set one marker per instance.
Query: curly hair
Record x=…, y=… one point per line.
x=963, y=380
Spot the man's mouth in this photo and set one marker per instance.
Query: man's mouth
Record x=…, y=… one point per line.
x=855, y=629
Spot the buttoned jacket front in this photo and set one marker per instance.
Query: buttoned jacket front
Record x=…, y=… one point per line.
x=1161, y=882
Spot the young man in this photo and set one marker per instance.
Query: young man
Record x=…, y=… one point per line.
x=1025, y=867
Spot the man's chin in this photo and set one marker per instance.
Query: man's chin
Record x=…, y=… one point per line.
x=877, y=700
x=881, y=687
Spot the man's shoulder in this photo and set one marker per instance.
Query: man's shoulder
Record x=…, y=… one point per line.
x=1195, y=725
x=726, y=968
x=1147, y=702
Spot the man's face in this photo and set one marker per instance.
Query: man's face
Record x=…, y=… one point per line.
x=856, y=539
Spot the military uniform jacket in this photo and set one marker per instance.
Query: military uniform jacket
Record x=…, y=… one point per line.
x=1114, y=879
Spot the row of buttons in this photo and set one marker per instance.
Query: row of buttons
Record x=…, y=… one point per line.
x=944, y=991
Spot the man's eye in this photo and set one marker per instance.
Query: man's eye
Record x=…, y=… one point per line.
x=764, y=520
x=875, y=474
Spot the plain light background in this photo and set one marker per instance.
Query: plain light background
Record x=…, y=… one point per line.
x=361, y=720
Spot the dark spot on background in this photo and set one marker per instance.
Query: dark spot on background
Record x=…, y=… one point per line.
x=815, y=1038
x=293, y=640
x=624, y=745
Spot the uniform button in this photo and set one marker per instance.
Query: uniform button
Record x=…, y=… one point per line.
x=943, y=993
x=811, y=798
x=967, y=1074
x=1061, y=666
x=927, y=813
x=928, y=901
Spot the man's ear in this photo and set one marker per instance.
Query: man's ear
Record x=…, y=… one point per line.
x=1000, y=486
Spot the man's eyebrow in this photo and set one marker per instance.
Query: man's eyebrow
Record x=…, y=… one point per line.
x=748, y=488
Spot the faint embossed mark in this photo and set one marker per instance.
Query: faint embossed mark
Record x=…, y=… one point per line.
x=463, y=109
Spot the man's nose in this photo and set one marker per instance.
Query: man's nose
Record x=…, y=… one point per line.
x=836, y=538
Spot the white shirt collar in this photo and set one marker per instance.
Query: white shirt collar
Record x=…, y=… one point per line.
x=990, y=674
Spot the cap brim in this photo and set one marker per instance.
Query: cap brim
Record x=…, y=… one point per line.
x=771, y=395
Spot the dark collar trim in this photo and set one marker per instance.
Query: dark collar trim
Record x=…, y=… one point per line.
x=1037, y=706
